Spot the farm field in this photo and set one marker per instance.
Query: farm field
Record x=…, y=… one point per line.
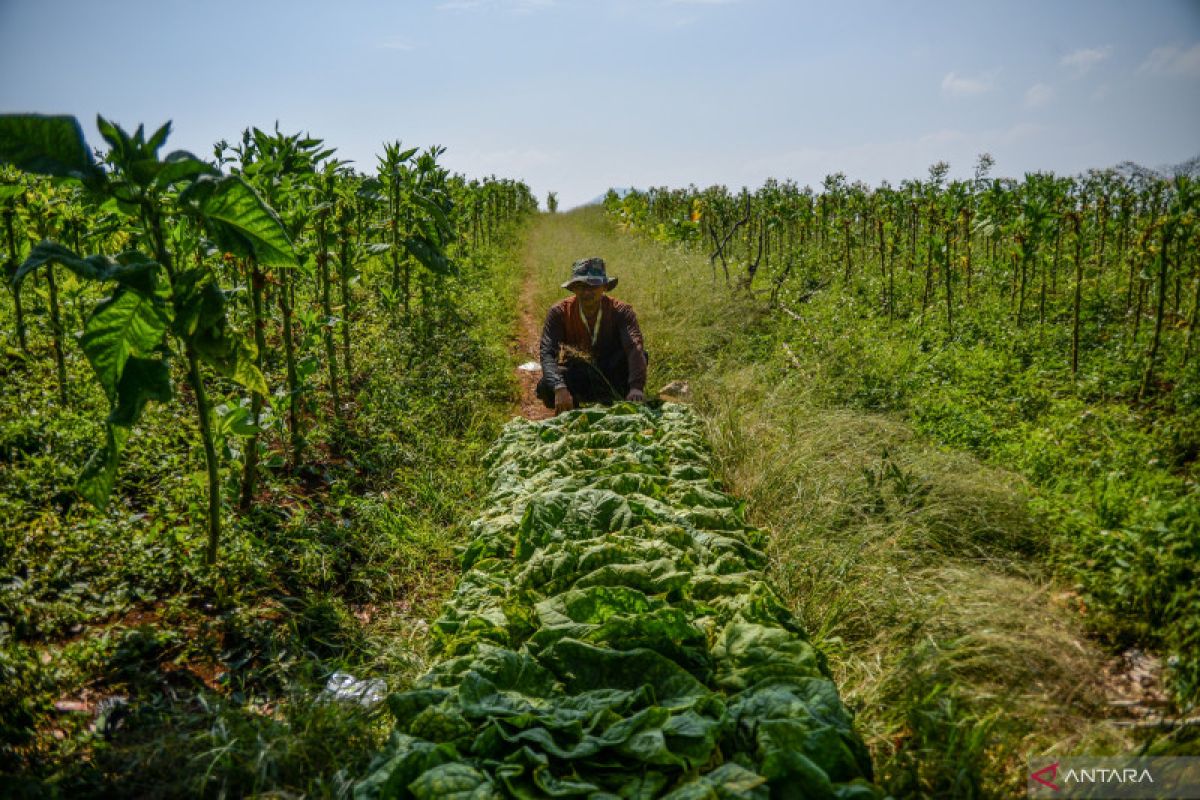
x=931, y=508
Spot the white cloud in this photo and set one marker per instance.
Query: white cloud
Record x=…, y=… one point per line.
x=1082, y=60
x=957, y=85
x=1172, y=60
x=1038, y=95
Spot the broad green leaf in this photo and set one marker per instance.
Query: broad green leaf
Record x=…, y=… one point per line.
x=128, y=324
x=406, y=759
x=230, y=355
x=112, y=133
x=435, y=211
x=182, y=166
x=246, y=371
x=199, y=303
x=46, y=145
x=158, y=138
x=236, y=420
x=131, y=269
x=95, y=482
x=46, y=252
x=201, y=320
x=234, y=204
x=135, y=270
x=453, y=781
x=142, y=380
x=726, y=781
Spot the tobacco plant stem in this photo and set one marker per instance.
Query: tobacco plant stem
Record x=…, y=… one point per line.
x=204, y=414
x=327, y=309
x=16, y=289
x=344, y=280
x=289, y=351
x=250, y=469
x=56, y=328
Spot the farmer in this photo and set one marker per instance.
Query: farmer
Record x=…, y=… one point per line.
x=591, y=346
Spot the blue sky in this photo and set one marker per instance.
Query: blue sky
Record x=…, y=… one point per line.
x=579, y=95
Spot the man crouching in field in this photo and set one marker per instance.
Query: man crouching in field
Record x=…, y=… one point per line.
x=591, y=348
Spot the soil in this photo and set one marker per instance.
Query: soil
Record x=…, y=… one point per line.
x=525, y=349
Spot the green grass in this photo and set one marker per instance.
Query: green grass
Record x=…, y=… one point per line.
x=338, y=567
x=923, y=572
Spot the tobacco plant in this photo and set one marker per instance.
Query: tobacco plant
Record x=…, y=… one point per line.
x=163, y=302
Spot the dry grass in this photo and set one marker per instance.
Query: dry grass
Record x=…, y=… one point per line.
x=917, y=571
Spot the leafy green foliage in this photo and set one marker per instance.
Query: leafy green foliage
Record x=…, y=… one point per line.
x=242, y=221
x=334, y=568
x=1047, y=324
x=613, y=634
x=48, y=145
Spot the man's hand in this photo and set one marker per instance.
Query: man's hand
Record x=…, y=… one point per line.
x=563, y=401
x=636, y=396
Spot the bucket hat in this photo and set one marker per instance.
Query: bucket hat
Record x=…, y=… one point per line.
x=590, y=271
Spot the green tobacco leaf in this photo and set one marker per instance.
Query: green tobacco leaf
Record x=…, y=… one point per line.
x=452, y=782
x=230, y=355
x=113, y=134
x=47, y=252
x=430, y=255
x=246, y=371
x=129, y=324
x=236, y=420
x=159, y=138
x=582, y=667
x=142, y=380
x=430, y=207
x=46, y=145
x=726, y=781
x=95, y=482
x=199, y=303
x=182, y=166
x=234, y=204
x=131, y=269
x=406, y=760
x=135, y=270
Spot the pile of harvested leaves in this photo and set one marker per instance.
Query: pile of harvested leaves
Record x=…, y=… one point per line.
x=612, y=636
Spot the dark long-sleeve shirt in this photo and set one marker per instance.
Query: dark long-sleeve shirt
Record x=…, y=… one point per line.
x=618, y=331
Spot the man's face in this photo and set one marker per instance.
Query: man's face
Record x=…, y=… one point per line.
x=588, y=295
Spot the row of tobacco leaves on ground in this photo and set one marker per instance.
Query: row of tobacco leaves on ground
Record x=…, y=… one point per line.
x=269, y=376
x=1048, y=324
x=612, y=635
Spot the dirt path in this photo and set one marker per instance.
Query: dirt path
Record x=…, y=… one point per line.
x=526, y=351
